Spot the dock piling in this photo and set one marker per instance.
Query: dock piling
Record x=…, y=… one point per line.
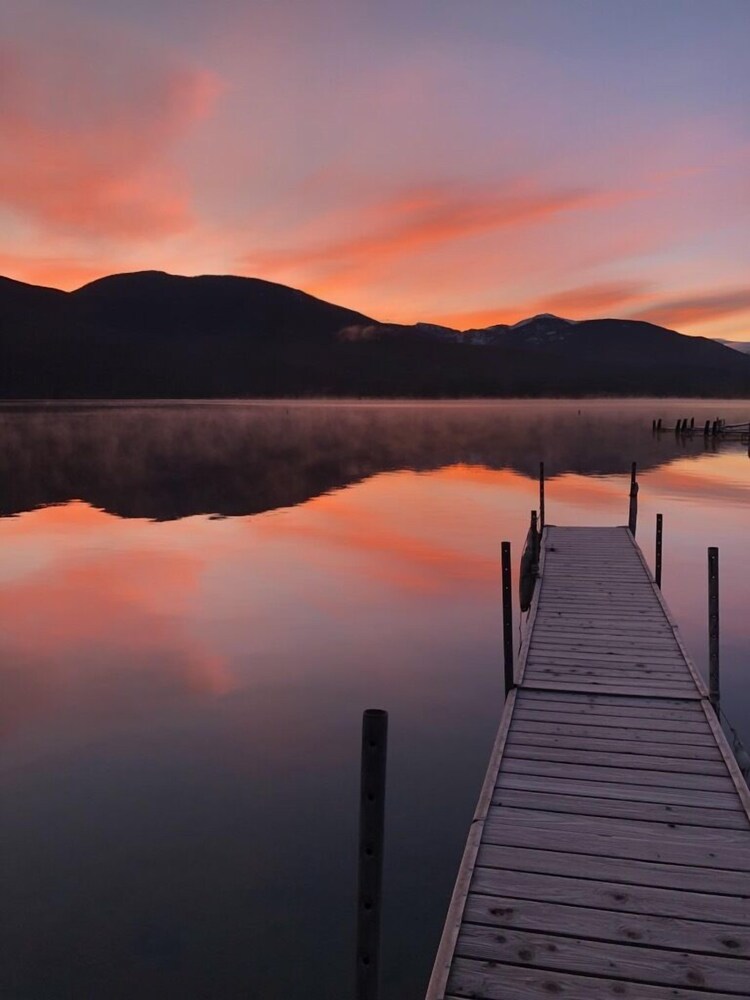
x=507, y=617
x=371, y=827
x=541, y=496
x=633, y=511
x=659, y=533
x=713, y=627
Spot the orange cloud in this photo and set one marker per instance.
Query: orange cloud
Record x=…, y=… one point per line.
x=85, y=138
x=697, y=309
x=419, y=219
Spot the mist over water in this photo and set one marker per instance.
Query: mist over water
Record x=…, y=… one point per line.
x=197, y=601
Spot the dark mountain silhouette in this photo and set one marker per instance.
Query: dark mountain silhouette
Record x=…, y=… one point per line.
x=151, y=334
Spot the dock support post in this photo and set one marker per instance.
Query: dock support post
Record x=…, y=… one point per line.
x=707, y=428
x=507, y=618
x=541, y=497
x=633, y=512
x=659, y=532
x=713, y=627
x=371, y=826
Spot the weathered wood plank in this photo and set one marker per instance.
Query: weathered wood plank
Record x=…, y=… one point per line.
x=630, y=775
x=613, y=745
x=551, y=916
x=595, y=700
x=482, y=980
x=671, y=765
x=617, y=807
x=622, y=733
x=600, y=719
x=592, y=705
x=657, y=966
x=619, y=897
x=618, y=838
x=558, y=684
x=631, y=871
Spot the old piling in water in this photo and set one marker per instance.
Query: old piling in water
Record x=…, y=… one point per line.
x=371, y=828
x=633, y=511
x=713, y=627
x=541, y=496
x=507, y=617
x=659, y=539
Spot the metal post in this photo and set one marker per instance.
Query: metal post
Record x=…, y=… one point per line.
x=713, y=627
x=633, y=511
x=507, y=618
x=659, y=529
x=371, y=824
x=541, y=496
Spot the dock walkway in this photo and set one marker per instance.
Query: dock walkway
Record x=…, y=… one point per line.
x=609, y=855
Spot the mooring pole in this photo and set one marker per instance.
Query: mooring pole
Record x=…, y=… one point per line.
x=507, y=618
x=541, y=497
x=707, y=428
x=713, y=627
x=659, y=529
x=371, y=825
x=633, y=511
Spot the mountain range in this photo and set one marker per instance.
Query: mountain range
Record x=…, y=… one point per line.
x=155, y=335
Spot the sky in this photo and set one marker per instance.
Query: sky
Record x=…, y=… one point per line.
x=465, y=162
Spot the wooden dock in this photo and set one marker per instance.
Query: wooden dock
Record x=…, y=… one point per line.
x=609, y=855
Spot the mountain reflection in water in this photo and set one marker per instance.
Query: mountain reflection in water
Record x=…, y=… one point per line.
x=171, y=460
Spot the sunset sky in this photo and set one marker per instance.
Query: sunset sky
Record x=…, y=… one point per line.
x=457, y=161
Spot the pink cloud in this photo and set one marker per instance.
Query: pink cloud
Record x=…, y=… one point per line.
x=86, y=135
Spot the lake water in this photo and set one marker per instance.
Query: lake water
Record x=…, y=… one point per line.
x=197, y=601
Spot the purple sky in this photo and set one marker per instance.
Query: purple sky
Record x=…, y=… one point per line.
x=467, y=162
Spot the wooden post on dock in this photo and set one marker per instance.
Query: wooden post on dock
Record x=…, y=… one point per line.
x=707, y=428
x=541, y=496
x=371, y=826
x=633, y=512
x=507, y=618
x=659, y=533
x=713, y=627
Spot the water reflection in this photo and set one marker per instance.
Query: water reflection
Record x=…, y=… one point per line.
x=182, y=696
x=172, y=460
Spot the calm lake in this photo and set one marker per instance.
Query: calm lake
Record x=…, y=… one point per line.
x=197, y=601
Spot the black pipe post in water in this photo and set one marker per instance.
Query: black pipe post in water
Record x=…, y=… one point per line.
x=659, y=531
x=371, y=827
x=534, y=528
x=541, y=497
x=507, y=618
x=633, y=511
x=713, y=627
